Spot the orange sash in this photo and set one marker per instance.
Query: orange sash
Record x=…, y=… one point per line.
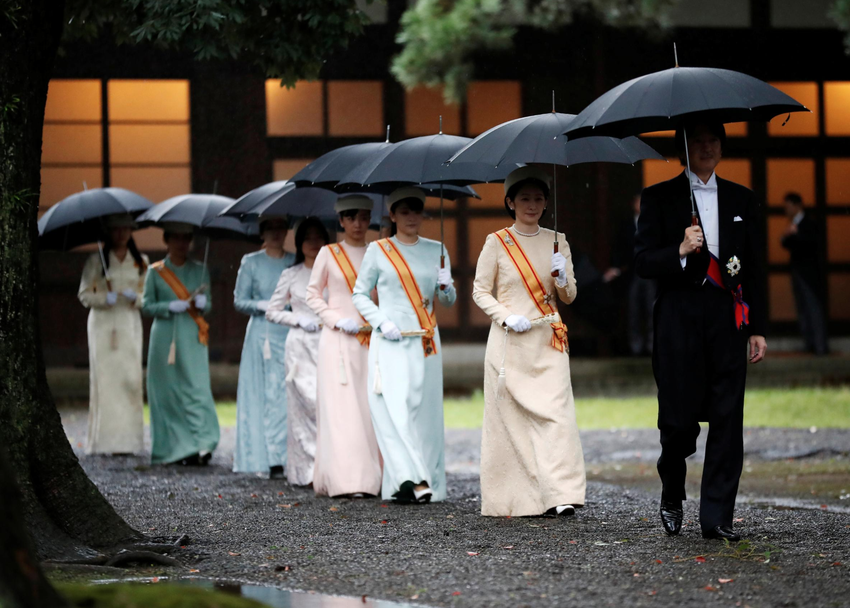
x=428, y=322
x=183, y=294
x=347, y=268
x=534, y=286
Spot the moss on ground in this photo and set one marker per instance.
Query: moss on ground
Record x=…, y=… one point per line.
x=152, y=595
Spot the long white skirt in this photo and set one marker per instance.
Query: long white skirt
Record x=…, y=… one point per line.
x=302, y=353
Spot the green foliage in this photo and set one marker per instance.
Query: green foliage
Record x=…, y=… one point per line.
x=442, y=37
x=840, y=13
x=286, y=39
x=156, y=595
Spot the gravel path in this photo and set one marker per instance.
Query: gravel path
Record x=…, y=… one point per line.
x=612, y=553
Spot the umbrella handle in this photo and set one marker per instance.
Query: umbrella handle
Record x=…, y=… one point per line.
x=695, y=222
x=555, y=273
x=443, y=265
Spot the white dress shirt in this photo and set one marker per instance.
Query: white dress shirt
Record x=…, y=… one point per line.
x=705, y=195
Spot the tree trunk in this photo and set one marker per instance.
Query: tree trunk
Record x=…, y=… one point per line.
x=65, y=513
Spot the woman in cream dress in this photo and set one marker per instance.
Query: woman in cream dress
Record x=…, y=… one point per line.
x=531, y=458
x=302, y=351
x=113, y=296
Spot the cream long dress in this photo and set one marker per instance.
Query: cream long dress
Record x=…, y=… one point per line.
x=115, y=364
x=302, y=351
x=347, y=457
x=531, y=458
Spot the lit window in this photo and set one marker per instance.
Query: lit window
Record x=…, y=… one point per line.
x=738, y=170
x=285, y=168
x=297, y=111
x=657, y=171
x=837, y=107
x=490, y=103
x=786, y=175
x=800, y=124
x=149, y=144
x=431, y=230
x=148, y=101
x=422, y=110
x=492, y=197
x=72, y=145
x=776, y=253
x=736, y=129
x=780, y=300
x=837, y=241
x=658, y=134
x=838, y=181
x=356, y=108
x=839, y=296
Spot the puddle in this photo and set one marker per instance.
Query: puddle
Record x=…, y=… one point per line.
x=791, y=504
x=270, y=596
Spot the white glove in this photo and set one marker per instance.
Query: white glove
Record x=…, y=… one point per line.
x=349, y=326
x=263, y=305
x=559, y=265
x=111, y=298
x=307, y=324
x=518, y=323
x=178, y=306
x=444, y=276
x=390, y=331
x=129, y=294
x=200, y=301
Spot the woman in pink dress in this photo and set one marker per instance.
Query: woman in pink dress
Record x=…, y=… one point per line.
x=348, y=462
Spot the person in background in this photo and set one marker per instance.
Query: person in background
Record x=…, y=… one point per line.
x=531, y=458
x=347, y=458
x=405, y=360
x=184, y=423
x=302, y=350
x=801, y=240
x=110, y=288
x=639, y=293
x=261, y=392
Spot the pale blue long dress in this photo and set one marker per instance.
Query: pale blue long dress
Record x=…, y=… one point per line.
x=261, y=393
x=408, y=412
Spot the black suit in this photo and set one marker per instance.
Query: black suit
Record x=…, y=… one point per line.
x=700, y=356
x=806, y=281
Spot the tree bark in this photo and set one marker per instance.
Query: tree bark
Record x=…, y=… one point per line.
x=66, y=515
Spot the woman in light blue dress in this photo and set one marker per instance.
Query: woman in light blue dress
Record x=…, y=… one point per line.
x=405, y=367
x=261, y=394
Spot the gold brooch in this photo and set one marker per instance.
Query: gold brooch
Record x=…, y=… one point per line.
x=336, y=249
x=508, y=240
x=426, y=302
x=548, y=298
x=733, y=265
x=388, y=247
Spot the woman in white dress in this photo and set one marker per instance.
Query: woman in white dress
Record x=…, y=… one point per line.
x=115, y=341
x=302, y=350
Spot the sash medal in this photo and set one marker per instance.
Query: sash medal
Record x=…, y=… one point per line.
x=715, y=277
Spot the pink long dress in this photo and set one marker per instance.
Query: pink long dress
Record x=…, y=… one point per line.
x=347, y=457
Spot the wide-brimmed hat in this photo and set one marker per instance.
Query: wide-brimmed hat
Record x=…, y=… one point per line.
x=524, y=173
x=402, y=193
x=353, y=201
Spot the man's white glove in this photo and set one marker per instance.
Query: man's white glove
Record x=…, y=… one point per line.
x=559, y=265
x=263, y=305
x=178, y=306
x=200, y=301
x=518, y=323
x=129, y=294
x=111, y=298
x=349, y=326
x=390, y=331
x=444, y=276
x=307, y=324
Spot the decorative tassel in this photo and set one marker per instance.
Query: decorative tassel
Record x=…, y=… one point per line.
x=500, y=385
x=377, y=387
x=343, y=377
x=290, y=374
x=267, y=349
x=172, y=353
x=114, y=339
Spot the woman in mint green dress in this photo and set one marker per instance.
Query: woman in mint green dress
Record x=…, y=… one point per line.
x=406, y=367
x=184, y=425
x=261, y=394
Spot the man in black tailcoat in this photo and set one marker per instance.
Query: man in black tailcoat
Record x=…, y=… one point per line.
x=710, y=308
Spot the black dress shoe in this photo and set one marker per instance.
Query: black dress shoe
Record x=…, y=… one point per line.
x=276, y=472
x=722, y=533
x=193, y=460
x=671, y=516
x=204, y=458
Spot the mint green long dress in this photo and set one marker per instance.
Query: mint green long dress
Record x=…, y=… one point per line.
x=183, y=416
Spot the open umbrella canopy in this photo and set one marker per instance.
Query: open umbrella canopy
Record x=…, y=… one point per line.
x=329, y=168
x=76, y=220
x=661, y=100
x=201, y=211
x=540, y=139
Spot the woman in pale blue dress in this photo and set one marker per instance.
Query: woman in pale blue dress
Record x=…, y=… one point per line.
x=261, y=394
x=406, y=371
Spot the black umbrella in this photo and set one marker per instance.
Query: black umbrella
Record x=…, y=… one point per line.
x=76, y=220
x=329, y=168
x=201, y=211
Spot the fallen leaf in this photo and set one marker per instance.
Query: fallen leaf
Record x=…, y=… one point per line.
x=725, y=580
x=253, y=495
x=739, y=520
x=182, y=546
x=193, y=570
x=653, y=592
x=155, y=579
x=334, y=509
x=636, y=574
x=710, y=588
x=384, y=507
x=836, y=563
x=285, y=506
x=384, y=521
x=450, y=516
x=658, y=561
x=280, y=568
x=296, y=504
x=414, y=597
x=233, y=553
x=456, y=593
x=219, y=495
x=572, y=542
x=471, y=553
x=699, y=559
x=508, y=547
x=280, y=493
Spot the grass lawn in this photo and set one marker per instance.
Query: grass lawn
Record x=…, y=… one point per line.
x=799, y=407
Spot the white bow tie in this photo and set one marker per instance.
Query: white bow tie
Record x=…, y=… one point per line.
x=698, y=185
